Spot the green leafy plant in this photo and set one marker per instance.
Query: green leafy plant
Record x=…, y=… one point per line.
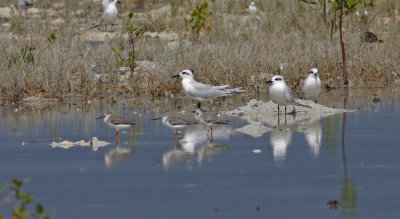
x=134, y=33
x=331, y=9
x=351, y=6
x=21, y=200
x=200, y=18
x=27, y=53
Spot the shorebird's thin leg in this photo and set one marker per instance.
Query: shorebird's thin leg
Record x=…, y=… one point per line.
x=285, y=119
x=198, y=104
x=176, y=139
x=176, y=134
x=278, y=120
x=285, y=110
x=211, y=134
x=278, y=110
x=117, y=138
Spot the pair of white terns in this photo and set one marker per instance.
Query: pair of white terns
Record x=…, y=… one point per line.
x=279, y=93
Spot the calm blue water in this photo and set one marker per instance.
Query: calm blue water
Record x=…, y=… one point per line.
x=294, y=176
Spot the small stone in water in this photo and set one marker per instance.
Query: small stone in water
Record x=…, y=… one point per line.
x=256, y=151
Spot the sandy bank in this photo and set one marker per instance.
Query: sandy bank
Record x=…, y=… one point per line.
x=262, y=116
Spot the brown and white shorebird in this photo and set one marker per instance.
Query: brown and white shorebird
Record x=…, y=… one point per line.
x=116, y=123
x=209, y=119
x=174, y=122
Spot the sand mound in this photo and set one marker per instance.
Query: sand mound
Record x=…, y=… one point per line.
x=256, y=112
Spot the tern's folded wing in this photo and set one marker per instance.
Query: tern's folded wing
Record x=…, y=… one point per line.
x=303, y=90
x=205, y=91
x=288, y=94
x=221, y=87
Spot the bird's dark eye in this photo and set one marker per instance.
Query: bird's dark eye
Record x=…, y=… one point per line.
x=278, y=79
x=311, y=72
x=185, y=73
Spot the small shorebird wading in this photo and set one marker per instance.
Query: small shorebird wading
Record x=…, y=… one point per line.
x=174, y=122
x=312, y=86
x=209, y=119
x=116, y=123
x=281, y=94
x=203, y=92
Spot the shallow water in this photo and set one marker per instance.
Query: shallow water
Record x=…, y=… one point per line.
x=300, y=168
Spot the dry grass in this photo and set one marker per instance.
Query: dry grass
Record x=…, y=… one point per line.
x=240, y=50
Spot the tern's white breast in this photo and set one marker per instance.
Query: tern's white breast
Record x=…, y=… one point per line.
x=277, y=93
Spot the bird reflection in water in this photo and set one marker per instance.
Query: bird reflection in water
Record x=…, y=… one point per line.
x=116, y=154
x=175, y=156
x=188, y=148
x=207, y=151
x=313, y=135
x=280, y=139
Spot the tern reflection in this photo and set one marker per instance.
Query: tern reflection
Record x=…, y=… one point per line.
x=313, y=135
x=280, y=139
x=183, y=151
x=194, y=136
x=197, y=134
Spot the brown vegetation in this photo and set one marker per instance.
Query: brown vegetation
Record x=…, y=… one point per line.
x=240, y=49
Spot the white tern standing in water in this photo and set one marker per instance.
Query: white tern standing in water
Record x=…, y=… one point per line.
x=203, y=92
x=281, y=94
x=312, y=86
